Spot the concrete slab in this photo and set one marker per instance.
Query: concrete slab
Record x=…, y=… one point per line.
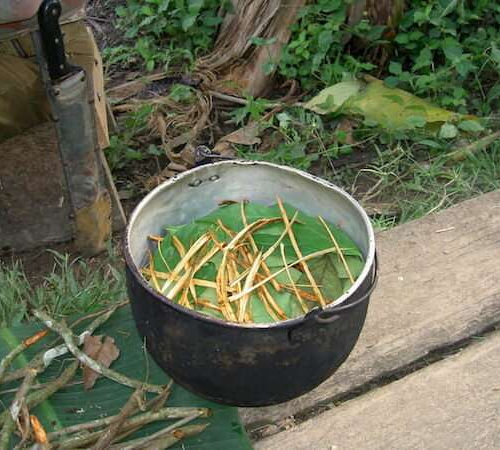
x=453, y=404
x=438, y=284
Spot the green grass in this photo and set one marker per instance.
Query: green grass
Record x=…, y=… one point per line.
x=73, y=286
x=416, y=187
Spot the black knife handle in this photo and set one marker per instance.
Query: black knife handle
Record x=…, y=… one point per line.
x=52, y=39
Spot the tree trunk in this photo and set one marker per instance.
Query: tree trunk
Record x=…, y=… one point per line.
x=238, y=63
x=240, y=66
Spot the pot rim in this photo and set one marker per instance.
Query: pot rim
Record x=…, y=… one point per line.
x=367, y=269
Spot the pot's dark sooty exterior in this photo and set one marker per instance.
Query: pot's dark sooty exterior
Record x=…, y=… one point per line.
x=247, y=366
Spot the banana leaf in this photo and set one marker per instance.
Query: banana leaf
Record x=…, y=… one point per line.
x=72, y=405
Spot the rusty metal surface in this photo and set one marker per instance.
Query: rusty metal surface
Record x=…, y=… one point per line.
x=34, y=210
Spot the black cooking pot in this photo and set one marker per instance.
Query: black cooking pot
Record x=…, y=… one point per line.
x=246, y=364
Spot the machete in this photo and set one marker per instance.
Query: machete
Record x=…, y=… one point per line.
x=74, y=119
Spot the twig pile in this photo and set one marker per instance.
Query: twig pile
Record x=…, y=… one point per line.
x=106, y=433
x=243, y=273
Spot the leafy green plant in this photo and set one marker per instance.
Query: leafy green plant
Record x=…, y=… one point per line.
x=296, y=133
x=168, y=32
x=123, y=149
x=447, y=50
x=315, y=53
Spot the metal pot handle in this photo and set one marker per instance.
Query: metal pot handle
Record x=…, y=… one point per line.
x=204, y=155
x=326, y=317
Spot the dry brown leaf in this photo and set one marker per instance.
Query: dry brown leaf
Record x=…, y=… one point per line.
x=103, y=352
x=247, y=135
x=176, y=167
x=225, y=149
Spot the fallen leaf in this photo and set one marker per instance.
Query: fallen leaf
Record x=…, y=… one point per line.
x=247, y=135
x=176, y=167
x=333, y=98
x=225, y=149
x=394, y=108
x=103, y=352
x=188, y=155
x=391, y=108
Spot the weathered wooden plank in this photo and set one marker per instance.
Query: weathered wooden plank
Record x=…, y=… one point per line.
x=454, y=404
x=438, y=284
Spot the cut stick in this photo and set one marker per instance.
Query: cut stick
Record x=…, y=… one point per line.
x=137, y=420
x=269, y=299
x=210, y=254
x=323, y=252
x=184, y=301
x=114, y=428
x=272, y=303
x=303, y=264
x=179, y=246
x=166, y=276
x=70, y=340
x=235, y=274
x=155, y=238
x=179, y=285
x=262, y=294
x=270, y=250
x=248, y=284
x=339, y=250
x=265, y=267
x=192, y=290
x=13, y=412
x=176, y=432
x=153, y=273
x=273, y=247
x=202, y=240
x=254, y=226
x=208, y=304
x=226, y=229
x=221, y=278
x=297, y=294
x=39, y=433
x=13, y=354
x=304, y=294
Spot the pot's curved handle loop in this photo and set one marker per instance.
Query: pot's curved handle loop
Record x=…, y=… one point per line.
x=326, y=317
x=204, y=155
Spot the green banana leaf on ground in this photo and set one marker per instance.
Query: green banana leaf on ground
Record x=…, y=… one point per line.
x=390, y=108
x=72, y=405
